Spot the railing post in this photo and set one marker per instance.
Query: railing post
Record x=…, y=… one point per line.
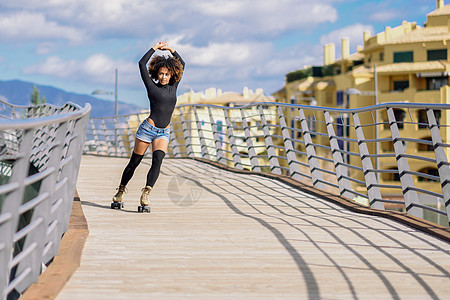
x=441, y=160
x=94, y=133
x=273, y=159
x=373, y=191
x=201, y=137
x=174, y=145
x=294, y=171
x=406, y=180
x=10, y=207
x=217, y=142
x=187, y=135
x=107, y=139
x=341, y=170
x=41, y=213
x=316, y=175
x=250, y=148
x=233, y=147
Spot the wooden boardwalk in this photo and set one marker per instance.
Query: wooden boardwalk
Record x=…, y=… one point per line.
x=214, y=234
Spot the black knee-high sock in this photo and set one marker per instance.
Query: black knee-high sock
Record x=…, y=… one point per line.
x=153, y=174
x=135, y=160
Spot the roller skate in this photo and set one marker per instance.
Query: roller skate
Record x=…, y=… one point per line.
x=118, y=197
x=145, y=203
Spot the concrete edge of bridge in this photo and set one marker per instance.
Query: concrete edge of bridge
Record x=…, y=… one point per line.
x=428, y=227
x=64, y=265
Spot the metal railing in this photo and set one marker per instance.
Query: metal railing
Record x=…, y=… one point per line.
x=399, y=162
x=40, y=152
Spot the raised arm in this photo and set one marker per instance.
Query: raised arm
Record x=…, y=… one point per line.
x=143, y=68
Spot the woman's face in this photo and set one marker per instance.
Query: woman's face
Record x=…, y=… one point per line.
x=163, y=75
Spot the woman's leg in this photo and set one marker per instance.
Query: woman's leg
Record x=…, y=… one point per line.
x=138, y=153
x=159, y=148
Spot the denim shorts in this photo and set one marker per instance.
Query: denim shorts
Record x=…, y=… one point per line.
x=147, y=132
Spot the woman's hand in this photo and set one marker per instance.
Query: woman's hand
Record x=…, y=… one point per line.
x=159, y=45
x=167, y=47
x=163, y=46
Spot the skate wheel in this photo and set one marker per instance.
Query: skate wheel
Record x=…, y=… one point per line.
x=117, y=205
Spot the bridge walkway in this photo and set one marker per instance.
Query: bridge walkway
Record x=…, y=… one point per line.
x=214, y=234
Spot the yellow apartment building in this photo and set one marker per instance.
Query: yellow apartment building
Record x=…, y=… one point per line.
x=410, y=64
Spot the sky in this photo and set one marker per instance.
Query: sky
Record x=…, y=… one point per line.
x=76, y=45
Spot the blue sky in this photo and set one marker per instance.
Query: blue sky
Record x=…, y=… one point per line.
x=75, y=45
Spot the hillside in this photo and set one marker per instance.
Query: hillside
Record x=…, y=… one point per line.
x=18, y=92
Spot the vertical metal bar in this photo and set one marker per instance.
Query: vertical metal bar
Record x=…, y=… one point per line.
x=341, y=170
x=316, y=174
x=273, y=160
x=294, y=171
x=187, y=135
x=250, y=148
x=201, y=137
x=373, y=191
x=218, y=143
x=11, y=204
x=96, y=139
x=441, y=160
x=174, y=143
x=234, y=150
x=406, y=179
x=107, y=139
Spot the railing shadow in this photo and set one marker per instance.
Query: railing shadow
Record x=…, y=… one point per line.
x=275, y=205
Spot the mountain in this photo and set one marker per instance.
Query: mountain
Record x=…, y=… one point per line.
x=19, y=92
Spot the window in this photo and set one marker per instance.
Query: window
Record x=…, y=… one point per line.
x=406, y=56
x=394, y=176
x=422, y=118
x=399, y=117
x=339, y=98
x=435, y=83
x=439, y=54
x=400, y=85
x=381, y=56
x=340, y=132
x=429, y=171
x=219, y=126
x=425, y=147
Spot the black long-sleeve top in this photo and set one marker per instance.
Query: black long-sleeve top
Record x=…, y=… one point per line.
x=163, y=98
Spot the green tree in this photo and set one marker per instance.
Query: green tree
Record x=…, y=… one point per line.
x=36, y=98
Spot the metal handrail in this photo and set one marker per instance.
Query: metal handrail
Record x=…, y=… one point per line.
x=334, y=149
x=40, y=153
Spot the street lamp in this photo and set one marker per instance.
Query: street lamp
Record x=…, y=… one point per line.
x=101, y=92
x=116, y=106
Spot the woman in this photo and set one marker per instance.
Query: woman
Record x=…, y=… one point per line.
x=155, y=129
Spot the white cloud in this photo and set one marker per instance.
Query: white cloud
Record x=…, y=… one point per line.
x=353, y=32
x=222, y=54
x=202, y=20
x=97, y=68
x=33, y=26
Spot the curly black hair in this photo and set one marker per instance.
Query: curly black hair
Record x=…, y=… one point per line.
x=172, y=64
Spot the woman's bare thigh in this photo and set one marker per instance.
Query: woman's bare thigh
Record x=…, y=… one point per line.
x=140, y=147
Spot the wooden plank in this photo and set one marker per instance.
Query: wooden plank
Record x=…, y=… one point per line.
x=214, y=234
